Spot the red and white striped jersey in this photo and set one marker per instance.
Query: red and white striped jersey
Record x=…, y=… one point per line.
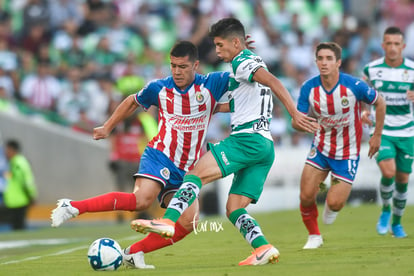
x=183, y=116
x=339, y=114
x=41, y=92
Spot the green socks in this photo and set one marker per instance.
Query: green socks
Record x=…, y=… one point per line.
x=248, y=227
x=386, y=191
x=399, y=201
x=184, y=197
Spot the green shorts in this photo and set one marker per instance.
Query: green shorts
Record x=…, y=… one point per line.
x=399, y=148
x=249, y=157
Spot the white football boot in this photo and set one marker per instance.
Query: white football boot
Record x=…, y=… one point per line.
x=63, y=212
x=314, y=241
x=135, y=260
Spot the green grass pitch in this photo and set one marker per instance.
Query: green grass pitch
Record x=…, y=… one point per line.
x=351, y=247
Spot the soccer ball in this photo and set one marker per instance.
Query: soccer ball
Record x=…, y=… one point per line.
x=105, y=254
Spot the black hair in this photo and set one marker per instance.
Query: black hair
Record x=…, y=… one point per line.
x=13, y=144
x=393, y=30
x=183, y=49
x=227, y=27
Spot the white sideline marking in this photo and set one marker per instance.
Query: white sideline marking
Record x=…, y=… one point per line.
x=27, y=243
x=48, y=255
x=23, y=243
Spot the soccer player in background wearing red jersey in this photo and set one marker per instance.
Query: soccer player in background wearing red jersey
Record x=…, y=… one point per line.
x=186, y=101
x=335, y=99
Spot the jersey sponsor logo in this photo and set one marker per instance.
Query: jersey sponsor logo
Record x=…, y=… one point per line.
x=165, y=172
x=262, y=124
x=333, y=122
x=396, y=100
x=181, y=123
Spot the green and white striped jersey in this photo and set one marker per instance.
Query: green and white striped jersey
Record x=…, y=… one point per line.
x=250, y=102
x=393, y=83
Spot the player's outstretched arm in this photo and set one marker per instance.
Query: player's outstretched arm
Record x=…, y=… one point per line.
x=375, y=141
x=123, y=111
x=306, y=123
x=299, y=120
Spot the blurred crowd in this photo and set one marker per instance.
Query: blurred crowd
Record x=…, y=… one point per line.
x=73, y=61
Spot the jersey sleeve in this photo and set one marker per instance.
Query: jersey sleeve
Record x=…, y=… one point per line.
x=244, y=69
x=364, y=92
x=303, y=100
x=218, y=84
x=148, y=95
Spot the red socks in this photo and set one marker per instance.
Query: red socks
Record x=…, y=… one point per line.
x=127, y=202
x=310, y=218
x=154, y=241
x=107, y=202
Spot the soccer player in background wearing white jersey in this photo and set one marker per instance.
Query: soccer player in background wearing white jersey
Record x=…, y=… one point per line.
x=335, y=99
x=248, y=152
x=186, y=101
x=393, y=76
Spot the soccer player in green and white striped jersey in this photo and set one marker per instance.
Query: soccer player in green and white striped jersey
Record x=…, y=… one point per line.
x=393, y=76
x=248, y=152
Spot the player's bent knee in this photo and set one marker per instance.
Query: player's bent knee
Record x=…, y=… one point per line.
x=143, y=204
x=306, y=200
x=335, y=205
x=231, y=209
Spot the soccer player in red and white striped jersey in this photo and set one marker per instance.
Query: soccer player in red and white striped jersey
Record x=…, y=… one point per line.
x=335, y=100
x=186, y=101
